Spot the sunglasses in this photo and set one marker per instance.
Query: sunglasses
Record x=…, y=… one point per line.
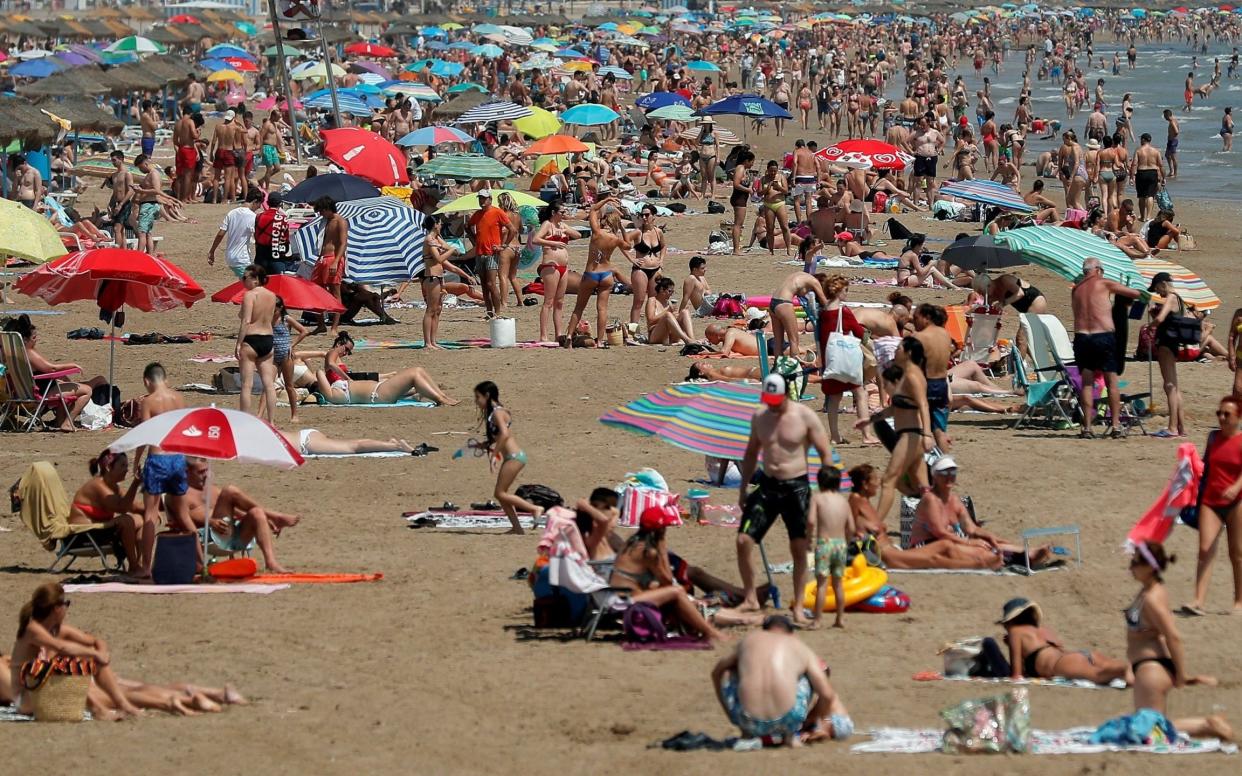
x=947, y=472
x=65, y=602
x=1224, y=413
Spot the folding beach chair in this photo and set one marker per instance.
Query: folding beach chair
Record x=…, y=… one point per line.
x=981, y=338
x=1063, y=353
x=44, y=507
x=25, y=402
x=1050, y=392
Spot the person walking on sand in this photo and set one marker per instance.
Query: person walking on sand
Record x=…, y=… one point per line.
x=1147, y=170
x=784, y=431
x=832, y=525
x=739, y=200
x=1220, y=504
x=1095, y=341
x=507, y=457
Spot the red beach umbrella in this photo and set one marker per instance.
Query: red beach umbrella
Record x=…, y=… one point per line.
x=366, y=155
x=365, y=49
x=867, y=154
x=297, y=294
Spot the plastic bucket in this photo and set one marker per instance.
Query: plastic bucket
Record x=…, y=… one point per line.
x=504, y=333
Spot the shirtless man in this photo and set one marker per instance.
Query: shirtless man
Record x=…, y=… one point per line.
x=330, y=270
x=925, y=143
x=784, y=320
x=664, y=326
x=121, y=203
x=1008, y=173
x=1172, y=142
x=730, y=339
x=694, y=289
x=885, y=327
x=929, y=320
x=163, y=474
x=185, y=140
x=784, y=431
x=1147, y=170
x=773, y=685
x=223, y=160
x=805, y=181
x=28, y=183
x=825, y=218
x=147, y=191
x=271, y=148
x=194, y=94
x=1095, y=340
x=150, y=122
x=236, y=519
x=1045, y=209
x=250, y=135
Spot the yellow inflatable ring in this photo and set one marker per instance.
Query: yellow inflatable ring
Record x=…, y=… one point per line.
x=860, y=583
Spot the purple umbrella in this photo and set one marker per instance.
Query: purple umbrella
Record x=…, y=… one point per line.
x=72, y=59
x=86, y=52
x=372, y=67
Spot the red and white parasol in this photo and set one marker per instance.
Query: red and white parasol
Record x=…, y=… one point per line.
x=297, y=294
x=866, y=154
x=212, y=432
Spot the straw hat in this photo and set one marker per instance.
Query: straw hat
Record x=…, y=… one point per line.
x=1093, y=145
x=707, y=120
x=1015, y=607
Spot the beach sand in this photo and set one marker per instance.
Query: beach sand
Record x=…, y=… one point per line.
x=433, y=670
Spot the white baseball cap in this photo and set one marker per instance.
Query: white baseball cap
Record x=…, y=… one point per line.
x=754, y=314
x=485, y=193
x=773, y=390
x=944, y=464
x=230, y=115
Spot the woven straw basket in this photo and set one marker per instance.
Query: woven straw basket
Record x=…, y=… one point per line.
x=62, y=698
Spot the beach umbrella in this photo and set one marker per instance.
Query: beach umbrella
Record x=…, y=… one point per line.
x=483, y=29
x=447, y=69
x=556, y=144
x=466, y=87
x=516, y=35
x=435, y=135
x=435, y=32
x=589, y=114
x=570, y=53
x=35, y=68
x=316, y=70
x=706, y=418
x=71, y=59
x=988, y=193
x=540, y=123
x=1189, y=286
x=577, y=66
x=269, y=102
x=866, y=154
x=214, y=64
x=36, y=53
x=242, y=65
x=341, y=187
x=385, y=240
x=466, y=167
x=436, y=45
x=113, y=278
x=656, y=100
x=418, y=91
x=751, y=105
x=24, y=234
x=616, y=72
x=136, y=44
x=370, y=69
x=246, y=27
x=222, y=50
x=470, y=202
x=370, y=50
x=489, y=50
x=500, y=110
x=226, y=75
x=674, y=113
x=703, y=65
x=100, y=168
x=348, y=103
x=365, y=154
x=980, y=254
x=1062, y=250
x=295, y=292
x=723, y=136
x=462, y=45
x=183, y=18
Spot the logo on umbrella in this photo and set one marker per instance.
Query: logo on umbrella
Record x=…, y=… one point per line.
x=192, y=432
x=753, y=108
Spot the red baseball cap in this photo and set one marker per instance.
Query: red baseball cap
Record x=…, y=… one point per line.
x=658, y=517
x=773, y=390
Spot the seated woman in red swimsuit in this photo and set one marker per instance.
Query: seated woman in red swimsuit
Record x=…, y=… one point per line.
x=102, y=501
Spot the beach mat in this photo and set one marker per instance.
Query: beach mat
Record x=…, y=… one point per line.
x=121, y=587
x=307, y=579
x=1060, y=681
x=1007, y=571
x=1071, y=741
x=10, y=714
x=469, y=519
x=404, y=403
x=383, y=454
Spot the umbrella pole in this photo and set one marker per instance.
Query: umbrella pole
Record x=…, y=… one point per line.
x=282, y=73
x=206, y=518
x=111, y=351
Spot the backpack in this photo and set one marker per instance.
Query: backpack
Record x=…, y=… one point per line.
x=540, y=496
x=727, y=307
x=643, y=624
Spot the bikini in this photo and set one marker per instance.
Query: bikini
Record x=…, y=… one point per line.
x=262, y=344
x=601, y=275
x=1133, y=616
x=643, y=250
x=519, y=456
x=340, y=382
x=906, y=403
x=97, y=514
x=561, y=269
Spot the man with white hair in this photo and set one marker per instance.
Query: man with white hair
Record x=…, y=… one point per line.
x=1095, y=340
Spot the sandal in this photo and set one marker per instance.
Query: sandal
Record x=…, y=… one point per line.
x=1191, y=611
x=1164, y=433
x=1086, y=433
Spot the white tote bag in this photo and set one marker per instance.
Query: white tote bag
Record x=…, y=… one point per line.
x=843, y=357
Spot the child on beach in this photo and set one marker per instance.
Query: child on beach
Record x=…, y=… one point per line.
x=831, y=522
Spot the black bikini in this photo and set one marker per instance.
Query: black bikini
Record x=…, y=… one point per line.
x=262, y=344
x=1133, y=616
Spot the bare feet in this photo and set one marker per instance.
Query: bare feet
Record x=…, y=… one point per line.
x=1203, y=680
x=233, y=697
x=839, y=624
x=402, y=445
x=1220, y=727
x=177, y=706
x=203, y=703
x=816, y=623
x=432, y=346
x=276, y=568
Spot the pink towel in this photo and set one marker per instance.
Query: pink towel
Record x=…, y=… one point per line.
x=1183, y=489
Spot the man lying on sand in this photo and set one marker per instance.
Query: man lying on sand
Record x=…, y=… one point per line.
x=774, y=685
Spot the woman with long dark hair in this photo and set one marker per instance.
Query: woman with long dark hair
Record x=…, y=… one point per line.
x=505, y=455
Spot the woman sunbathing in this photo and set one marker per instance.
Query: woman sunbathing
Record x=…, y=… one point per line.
x=102, y=501
x=42, y=633
x=312, y=441
x=1037, y=652
x=335, y=385
x=76, y=394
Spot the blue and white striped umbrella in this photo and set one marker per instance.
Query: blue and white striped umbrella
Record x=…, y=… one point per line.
x=988, y=193
x=616, y=72
x=349, y=104
x=501, y=110
x=385, y=240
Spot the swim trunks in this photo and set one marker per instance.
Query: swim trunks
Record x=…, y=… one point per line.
x=789, y=499
x=224, y=158
x=805, y=184
x=1096, y=352
x=1170, y=148
x=1146, y=183
x=788, y=724
x=148, y=145
x=187, y=158
x=328, y=270
x=830, y=557
x=925, y=166
x=271, y=157
x=938, y=402
x=147, y=213
x=165, y=473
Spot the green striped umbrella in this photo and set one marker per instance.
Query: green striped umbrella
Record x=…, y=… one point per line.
x=1062, y=250
x=136, y=44
x=466, y=167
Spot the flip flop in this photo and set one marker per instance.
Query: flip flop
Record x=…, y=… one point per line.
x=1191, y=611
x=1164, y=434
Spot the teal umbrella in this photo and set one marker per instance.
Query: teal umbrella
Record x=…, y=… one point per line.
x=1062, y=250
x=246, y=27
x=466, y=167
x=703, y=65
x=674, y=113
x=589, y=114
x=466, y=87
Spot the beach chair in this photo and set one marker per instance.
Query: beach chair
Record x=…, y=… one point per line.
x=1050, y=391
x=1062, y=350
x=981, y=338
x=25, y=402
x=44, y=507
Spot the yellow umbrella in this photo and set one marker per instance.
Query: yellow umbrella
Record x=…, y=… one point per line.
x=25, y=234
x=469, y=202
x=539, y=124
x=578, y=66
x=319, y=72
x=629, y=28
x=226, y=75
x=451, y=26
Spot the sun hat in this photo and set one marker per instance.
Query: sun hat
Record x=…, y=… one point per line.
x=944, y=464
x=1015, y=607
x=1158, y=278
x=708, y=120
x=773, y=390
x=1093, y=145
x=655, y=517
x=754, y=314
x=485, y=193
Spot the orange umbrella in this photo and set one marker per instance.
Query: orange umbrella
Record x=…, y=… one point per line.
x=556, y=144
x=543, y=175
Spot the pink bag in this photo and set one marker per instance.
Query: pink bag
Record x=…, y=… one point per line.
x=635, y=499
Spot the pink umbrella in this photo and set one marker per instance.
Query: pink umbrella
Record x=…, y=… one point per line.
x=269, y=102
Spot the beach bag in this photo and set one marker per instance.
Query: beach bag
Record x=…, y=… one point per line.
x=1001, y=723
x=1186, y=241
x=95, y=417
x=57, y=687
x=1164, y=200
x=715, y=208
x=879, y=202
x=843, y=357
x=644, y=624
x=961, y=658
x=728, y=307
x=540, y=496
x=1190, y=513
x=636, y=499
